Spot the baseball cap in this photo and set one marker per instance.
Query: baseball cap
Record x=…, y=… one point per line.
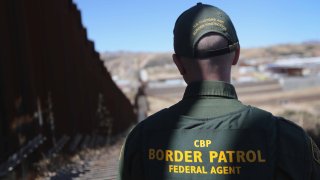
x=198, y=21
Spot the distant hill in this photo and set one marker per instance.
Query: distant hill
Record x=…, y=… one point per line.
x=306, y=49
x=126, y=64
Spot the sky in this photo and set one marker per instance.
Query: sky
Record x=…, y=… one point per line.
x=147, y=26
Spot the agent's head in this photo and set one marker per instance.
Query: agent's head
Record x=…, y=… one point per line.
x=205, y=43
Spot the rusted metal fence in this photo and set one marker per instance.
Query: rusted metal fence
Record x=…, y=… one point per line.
x=52, y=79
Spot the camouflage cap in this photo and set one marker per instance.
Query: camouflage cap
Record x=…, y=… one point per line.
x=197, y=21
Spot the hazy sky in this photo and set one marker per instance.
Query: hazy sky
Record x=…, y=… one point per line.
x=145, y=25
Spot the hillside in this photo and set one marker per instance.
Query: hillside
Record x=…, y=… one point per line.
x=307, y=49
x=126, y=65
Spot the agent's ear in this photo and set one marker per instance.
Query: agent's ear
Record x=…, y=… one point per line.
x=177, y=60
x=236, y=57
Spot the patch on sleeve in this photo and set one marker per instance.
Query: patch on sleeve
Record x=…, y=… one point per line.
x=315, y=151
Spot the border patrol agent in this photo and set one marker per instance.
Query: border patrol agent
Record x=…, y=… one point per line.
x=209, y=134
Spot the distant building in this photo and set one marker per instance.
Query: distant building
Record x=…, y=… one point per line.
x=295, y=67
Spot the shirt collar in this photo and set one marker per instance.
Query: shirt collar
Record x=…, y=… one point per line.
x=210, y=88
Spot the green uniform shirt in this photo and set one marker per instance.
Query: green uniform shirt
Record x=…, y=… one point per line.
x=209, y=134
